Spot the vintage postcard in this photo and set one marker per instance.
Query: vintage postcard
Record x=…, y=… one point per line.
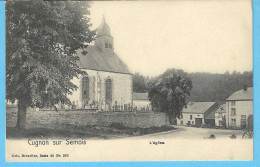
x=129, y=81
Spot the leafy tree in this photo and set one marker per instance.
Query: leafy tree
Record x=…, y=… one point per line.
x=139, y=83
x=168, y=93
x=41, y=39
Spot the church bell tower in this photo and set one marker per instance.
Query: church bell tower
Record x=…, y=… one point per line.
x=104, y=40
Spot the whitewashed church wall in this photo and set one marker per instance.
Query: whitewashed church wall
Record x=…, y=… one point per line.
x=74, y=97
x=122, y=88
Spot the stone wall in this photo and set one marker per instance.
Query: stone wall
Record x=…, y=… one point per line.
x=83, y=118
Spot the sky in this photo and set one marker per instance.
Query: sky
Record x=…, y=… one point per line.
x=196, y=36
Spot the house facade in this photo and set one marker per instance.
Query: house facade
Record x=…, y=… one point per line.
x=239, y=106
x=141, y=102
x=197, y=113
x=107, y=83
x=220, y=115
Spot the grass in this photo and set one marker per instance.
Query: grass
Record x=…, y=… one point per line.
x=112, y=131
x=13, y=133
x=141, y=131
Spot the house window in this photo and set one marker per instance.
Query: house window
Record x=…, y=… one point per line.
x=233, y=112
x=181, y=122
x=233, y=122
x=233, y=103
x=85, y=88
x=192, y=122
x=190, y=116
x=106, y=44
x=108, y=90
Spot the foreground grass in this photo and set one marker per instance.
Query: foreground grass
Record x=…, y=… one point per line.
x=13, y=133
x=113, y=131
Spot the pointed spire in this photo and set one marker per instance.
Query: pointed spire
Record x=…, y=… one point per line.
x=104, y=20
x=104, y=29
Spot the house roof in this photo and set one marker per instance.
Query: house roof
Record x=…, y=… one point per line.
x=198, y=107
x=140, y=96
x=211, y=115
x=242, y=95
x=95, y=59
x=221, y=109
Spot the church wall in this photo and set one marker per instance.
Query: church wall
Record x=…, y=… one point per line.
x=122, y=88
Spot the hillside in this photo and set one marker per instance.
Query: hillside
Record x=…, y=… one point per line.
x=207, y=86
x=218, y=87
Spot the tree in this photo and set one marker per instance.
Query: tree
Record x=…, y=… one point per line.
x=139, y=83
x=41, y=40
x=168, y=93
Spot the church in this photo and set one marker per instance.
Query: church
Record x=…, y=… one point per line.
x=108, y=81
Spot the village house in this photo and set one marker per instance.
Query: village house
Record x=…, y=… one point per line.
x=239, y=106
x=198, y=113
x=220, y=115
x=141, y=102
x=108, y=83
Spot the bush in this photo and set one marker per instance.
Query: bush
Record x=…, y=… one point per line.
x=117, y=125
x=207, y=126
x=234, y=128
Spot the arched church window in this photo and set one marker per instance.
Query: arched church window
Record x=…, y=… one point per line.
x=108, y=90
x=85, y=88
x=106, y=44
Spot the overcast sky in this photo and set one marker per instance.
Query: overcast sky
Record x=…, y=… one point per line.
x=196, y=36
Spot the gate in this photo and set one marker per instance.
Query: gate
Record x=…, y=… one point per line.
x=198, y=122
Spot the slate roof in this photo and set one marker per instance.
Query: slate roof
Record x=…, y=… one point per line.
x=95, y=59
x=140, y=96
x=198, y=107
x=221, y=109
x=211, y=114
x=242, y=95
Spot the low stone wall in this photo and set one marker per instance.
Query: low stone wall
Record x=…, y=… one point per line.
x=84, y=118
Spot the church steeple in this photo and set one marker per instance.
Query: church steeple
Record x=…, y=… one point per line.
x=104, y=39
x=104, y=29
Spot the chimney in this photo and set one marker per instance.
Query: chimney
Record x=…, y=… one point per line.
x=245, y=87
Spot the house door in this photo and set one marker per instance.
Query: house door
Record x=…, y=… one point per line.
x=198, y=122
x=243, y=121
x=220, y=123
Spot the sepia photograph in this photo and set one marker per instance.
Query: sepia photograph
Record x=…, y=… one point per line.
x=129, y=81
